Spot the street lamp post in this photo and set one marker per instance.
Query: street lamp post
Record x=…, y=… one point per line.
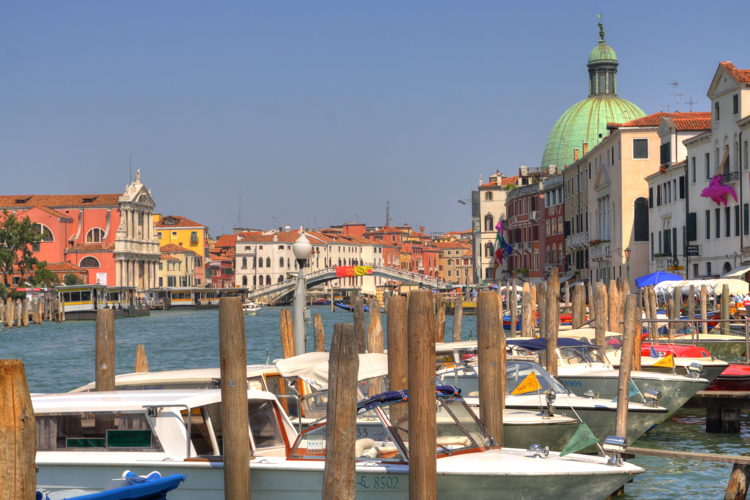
x=302, y=250
x=627, y=262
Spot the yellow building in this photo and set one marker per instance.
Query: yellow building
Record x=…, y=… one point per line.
x=183, y=232
x=177, y=266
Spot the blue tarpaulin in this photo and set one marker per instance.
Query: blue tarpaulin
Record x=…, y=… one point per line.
x=656, y=277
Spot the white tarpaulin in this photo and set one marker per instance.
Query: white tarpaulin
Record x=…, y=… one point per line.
x=737, y=272
x=713, y=287
x=312, y=367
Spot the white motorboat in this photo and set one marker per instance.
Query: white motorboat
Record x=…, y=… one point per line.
x=251, y=308
x=552, y=398
x=710, y=366
x=86, y=439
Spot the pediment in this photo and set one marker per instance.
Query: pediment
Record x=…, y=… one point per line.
x=721, y=83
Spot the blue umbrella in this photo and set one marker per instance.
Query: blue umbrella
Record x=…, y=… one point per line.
x=656, y=277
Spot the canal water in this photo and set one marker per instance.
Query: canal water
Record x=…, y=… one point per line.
x=60, y=357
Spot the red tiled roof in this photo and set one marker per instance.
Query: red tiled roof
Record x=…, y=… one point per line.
x=90, y=247
x=168, y=257
x=61, y=267
x=741, y=75
x=176, y=221
x=226, y=240
x=58, y=200
x=653, y=119
x=697, y=123
x=506, y=181
x=172, y=248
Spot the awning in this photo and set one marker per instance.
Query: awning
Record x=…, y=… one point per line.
x=737, y=272
x=312, y=367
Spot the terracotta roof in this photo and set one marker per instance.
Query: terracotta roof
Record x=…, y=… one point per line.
x=226, y=240
x=58, y=200
x=172, y=248
x=653, y=120
x=60, y=267
x=90, y=247
x=177, y=221
x=505, y=181
x=168, y=257
x=741, y=75
x=697, y=123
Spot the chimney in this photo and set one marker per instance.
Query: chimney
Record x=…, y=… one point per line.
x=585, y=147
x=421, y=229
x=575, y=154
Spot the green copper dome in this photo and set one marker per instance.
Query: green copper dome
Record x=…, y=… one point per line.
x=602, y=52
x=586, y=121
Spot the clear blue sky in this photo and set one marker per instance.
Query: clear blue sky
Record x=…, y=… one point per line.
x=319, y=112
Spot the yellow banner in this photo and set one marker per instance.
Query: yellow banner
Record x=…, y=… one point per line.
x=665, y=362
x=529, y=384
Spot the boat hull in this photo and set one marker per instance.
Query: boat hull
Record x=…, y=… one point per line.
x=527, y=478
x=675, y=393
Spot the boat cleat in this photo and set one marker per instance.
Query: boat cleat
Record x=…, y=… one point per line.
x=537, y=451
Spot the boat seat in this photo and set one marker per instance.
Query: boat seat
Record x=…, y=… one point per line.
x=453, y=441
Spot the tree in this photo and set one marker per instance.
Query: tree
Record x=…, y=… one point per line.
x=18, y=237
x=43, y=277
x=71, y=279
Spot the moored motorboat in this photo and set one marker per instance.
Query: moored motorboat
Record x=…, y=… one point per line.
x=84, y=438
x=735, y=378
x=251, y=308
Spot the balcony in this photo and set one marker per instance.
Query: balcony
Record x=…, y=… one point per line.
x=730, y=176
x=599, y=250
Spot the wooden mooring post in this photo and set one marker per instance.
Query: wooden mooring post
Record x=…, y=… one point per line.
x=287, y=333
x=105, y=350
x=578, y=306
x=527, y=328
x=319, y=339
x=491, y=366
x=234, y=418
x=421, y=334
x=358, y=314
x=725, y=309
x=141, y=361
x=398, y=345
x=623, y=384
x=343, y=365
x=553, y=320
x=17, y=433
x=458, y=317
x=600, y=313
x=704, y=309
x=512, y=301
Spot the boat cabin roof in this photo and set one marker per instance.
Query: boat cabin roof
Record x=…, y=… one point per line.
x=312, y=367
x=192, y=376
x=109, y=401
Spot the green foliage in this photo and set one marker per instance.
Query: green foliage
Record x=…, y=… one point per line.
x=71, y=279
x=18, y=237
x=43, y=277
x=3, y=291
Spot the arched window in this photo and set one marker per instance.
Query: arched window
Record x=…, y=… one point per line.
x=244, y=281
x=640, y=219
x=727, y=267
x=255, y=262
x=244, y=263
x=44, y=230
x=268, y=279
x=488, y=249
x=260, y=262
x=255, y=281
x=89, y=262
x=488, y=222
x=488, y=195
x=95, y=235
x=268, y=263
x=281, y=278
x=281, y=261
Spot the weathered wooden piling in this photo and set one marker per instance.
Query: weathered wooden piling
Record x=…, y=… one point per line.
x=512, y=301
x=725, y=309
x=654, y=311
x=398, y=344
x=690, y=307
x=287, y=333
x=234, y=418
x=527, y=326
x=422, y=463
x=638, y=335
x=24, y=312
x=614, y=307
x=319, y=339
x=623, y=385
x=704, y=309
x=358, y=314
x=17, y=433
x=577, y=306
x=141, y=361
x=105, y=350
x=9, y=308
x=439, y=319
x=600, y=313
x=739, y=480
x=491, y=367
x=676, y=311
x=458, y=317
x=375, y=341
x=541, y=303
x=343, y=365
x=553, y=320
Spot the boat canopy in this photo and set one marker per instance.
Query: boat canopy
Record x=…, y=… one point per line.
x=312, y=367
x=541, y=344
x=713, y=286
x=738, y=272
x=441, y=391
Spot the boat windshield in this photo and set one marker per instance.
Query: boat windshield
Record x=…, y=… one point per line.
x=383, y=433
x=466, y=377
x=573, y=355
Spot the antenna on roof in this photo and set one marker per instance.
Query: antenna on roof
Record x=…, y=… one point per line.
x=239, y=209
x=130, y=174
x=675, y=87
x=388, y=213
x=690, y=103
